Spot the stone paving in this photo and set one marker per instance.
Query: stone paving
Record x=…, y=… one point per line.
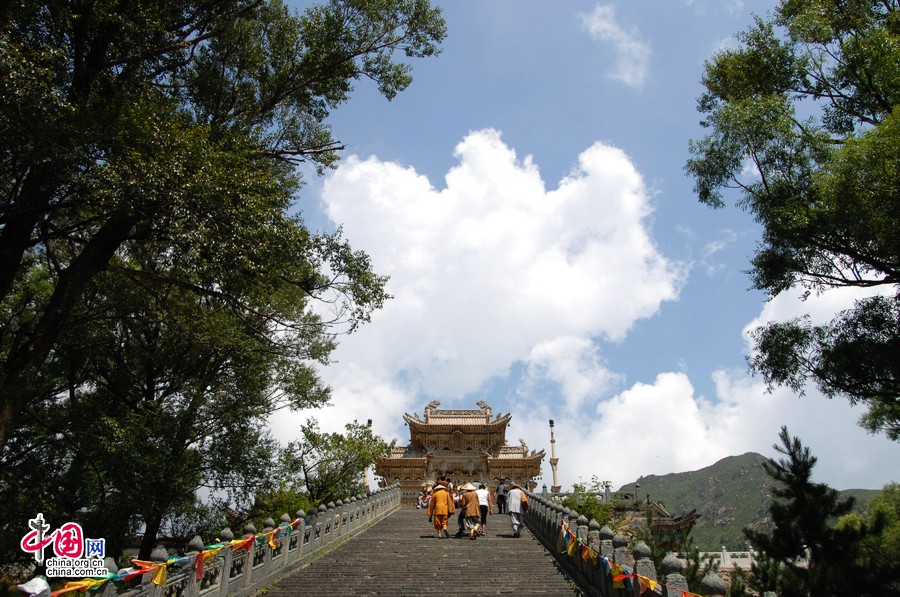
x=400, y=555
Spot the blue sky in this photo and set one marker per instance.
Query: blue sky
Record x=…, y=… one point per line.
x=547, y=254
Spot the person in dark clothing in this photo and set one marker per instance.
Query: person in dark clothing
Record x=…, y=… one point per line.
x=501, y=497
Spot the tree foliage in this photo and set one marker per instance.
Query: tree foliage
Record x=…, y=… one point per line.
x=177, y=124
x=879, y=549
x=587, y=499
x=809, y=101
x=327, y=467
x=158, y=296
x=808, y=552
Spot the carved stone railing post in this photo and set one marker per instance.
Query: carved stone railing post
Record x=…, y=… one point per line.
x=712, y=585
x=157, y=555
x=572, y=562
x=249, y=531
x=582, y=534
x=340, y=518
x=109, y=589
x=334, y=519
x=344, y=513
x=280, y=555
x=323, y=527
x=298, y=533
x=315, y=530
x=352, y=513
x=227, y=560
x=606, y=551
x=643, y=565
x=538, y=517
x=593, y=542
x=622, y=556
x=557, y=515
x=367, y=507
x=265, y=554
x=193, y=550
x=671, y=569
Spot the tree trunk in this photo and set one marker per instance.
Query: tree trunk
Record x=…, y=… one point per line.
x=32, y=347
x=152, y=524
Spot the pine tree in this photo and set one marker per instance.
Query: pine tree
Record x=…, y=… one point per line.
x=816, y=557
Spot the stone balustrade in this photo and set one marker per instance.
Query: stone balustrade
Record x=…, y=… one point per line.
x=243, y=570
x=244, y=567
x=600, y=556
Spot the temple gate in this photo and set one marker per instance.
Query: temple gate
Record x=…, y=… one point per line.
x=461, y=445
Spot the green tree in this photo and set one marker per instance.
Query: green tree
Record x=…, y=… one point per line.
x=766, y=573
x=330, y=466
x=739, y=584
x=887, y=507
x=697, y=566
x=206, y=519
x=810, y=102
x=880, y=547
x=157, y=297
x=815, y=556
x=171, y=394
x=170, y=123
x=280, y=497
x=587, y=499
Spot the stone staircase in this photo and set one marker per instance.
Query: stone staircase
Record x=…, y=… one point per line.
x=400, y=555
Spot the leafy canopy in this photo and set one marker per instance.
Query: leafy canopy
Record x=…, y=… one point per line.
x=178, y=124
x=809, y=103
x=159, y=294
x=326, y=466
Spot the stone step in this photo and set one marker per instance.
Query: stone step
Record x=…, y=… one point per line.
x=400, y=555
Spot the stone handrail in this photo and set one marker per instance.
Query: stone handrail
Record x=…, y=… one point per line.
x=548, y=520
x=242, y=572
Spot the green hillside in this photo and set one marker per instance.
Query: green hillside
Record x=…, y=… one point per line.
x=731, y=494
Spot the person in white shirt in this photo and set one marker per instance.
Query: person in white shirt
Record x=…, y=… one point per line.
x=484, y=504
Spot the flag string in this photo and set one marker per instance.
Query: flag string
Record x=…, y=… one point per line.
x=569, y=543
x=159, y=569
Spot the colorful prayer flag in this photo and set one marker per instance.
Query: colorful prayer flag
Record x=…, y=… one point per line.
x=617, y=573
x=647, y=583
x=198, y=566
x=159, y=575
x=573, y=543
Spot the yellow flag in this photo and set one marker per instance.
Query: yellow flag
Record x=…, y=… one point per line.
x=159, y=575
x=616, y=571
x=647, y=583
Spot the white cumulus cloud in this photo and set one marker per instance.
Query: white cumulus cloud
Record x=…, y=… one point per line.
x=497, y=277
x=664, y=427
x=492, y=272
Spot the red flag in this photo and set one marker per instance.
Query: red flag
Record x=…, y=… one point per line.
x=198, y=566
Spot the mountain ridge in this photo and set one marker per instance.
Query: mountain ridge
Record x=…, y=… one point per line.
x=729, y=495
